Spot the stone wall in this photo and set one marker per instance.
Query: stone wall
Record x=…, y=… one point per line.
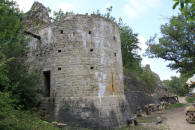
x=138, y=99
x=82, y=56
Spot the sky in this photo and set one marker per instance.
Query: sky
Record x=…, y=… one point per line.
x=144, y=16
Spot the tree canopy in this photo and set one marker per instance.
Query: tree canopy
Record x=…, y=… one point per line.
x=129, y=47
x=177, y=45
x=14, y=76
x=177, y=85
x=187, y=8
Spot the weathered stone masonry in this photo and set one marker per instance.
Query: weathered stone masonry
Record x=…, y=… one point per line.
x=81, y=64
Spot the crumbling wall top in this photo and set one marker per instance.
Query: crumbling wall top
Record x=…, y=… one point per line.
x=37, y=15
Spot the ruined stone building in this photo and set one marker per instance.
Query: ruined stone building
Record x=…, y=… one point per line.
x=80, y=63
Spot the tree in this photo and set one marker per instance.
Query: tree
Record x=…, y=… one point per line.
x=14, y=75
x=58, y=15
x=177, y=85
x=187, y=7
x=129, y=47
x=177, y=44
x=149, y=80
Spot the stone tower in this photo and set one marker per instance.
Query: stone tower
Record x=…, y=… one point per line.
x=80, y=61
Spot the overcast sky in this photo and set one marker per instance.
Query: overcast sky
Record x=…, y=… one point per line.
x=144, y=16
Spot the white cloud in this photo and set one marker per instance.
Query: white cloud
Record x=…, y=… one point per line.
x=135, y=8
x=25, y=5
x=66, y=7
x=143, y=46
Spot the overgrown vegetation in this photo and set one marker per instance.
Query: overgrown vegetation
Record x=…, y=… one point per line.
x=14, y=75
x=17, y=119
x=177, y=86
x=18, y=87
x=190, y=99
x=150, y=119
x=177, y=105
x=140, y=81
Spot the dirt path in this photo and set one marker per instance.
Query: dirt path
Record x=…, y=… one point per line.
x=175, y=119
x=182, y=99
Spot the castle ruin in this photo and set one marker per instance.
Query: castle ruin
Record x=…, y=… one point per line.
x=80, y=61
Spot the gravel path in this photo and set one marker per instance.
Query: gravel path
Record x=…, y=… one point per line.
x=175, y=119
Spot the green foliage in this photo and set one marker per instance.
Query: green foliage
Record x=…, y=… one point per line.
x=190, y=99
x=143, y=80
x=187, y=7
x=108, y=14
x=177, y=85
x=14, y=75
x=150, y=81
x=176, y=45
x=4, y=80
x=177, y=105
x=58, y=15
x=16, y=119
x=143, y=119
x=129, y=47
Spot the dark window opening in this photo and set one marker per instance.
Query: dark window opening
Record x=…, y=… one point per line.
x=47, y=83
x=59, y=68
x=61, y=31
x=91, y=68
x=59, y=51
x=91, y=50
x=112, y=83
x=114, y=54
x=89, y=32
x=114, y=38
x=73, y=33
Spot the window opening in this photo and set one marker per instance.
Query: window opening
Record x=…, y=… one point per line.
x=47, y=78
x=114, y=37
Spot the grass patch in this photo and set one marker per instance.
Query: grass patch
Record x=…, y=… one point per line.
x=177, y=105
x=146, y=119
x=190, y=99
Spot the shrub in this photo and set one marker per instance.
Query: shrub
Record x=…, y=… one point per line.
x=12, y=118
x=190, y=99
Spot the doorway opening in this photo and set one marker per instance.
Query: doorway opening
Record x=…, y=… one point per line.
x=47, y=78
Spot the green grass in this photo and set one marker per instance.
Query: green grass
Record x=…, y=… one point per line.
x=146, y=119
x=177, y=105
x=190, y=99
